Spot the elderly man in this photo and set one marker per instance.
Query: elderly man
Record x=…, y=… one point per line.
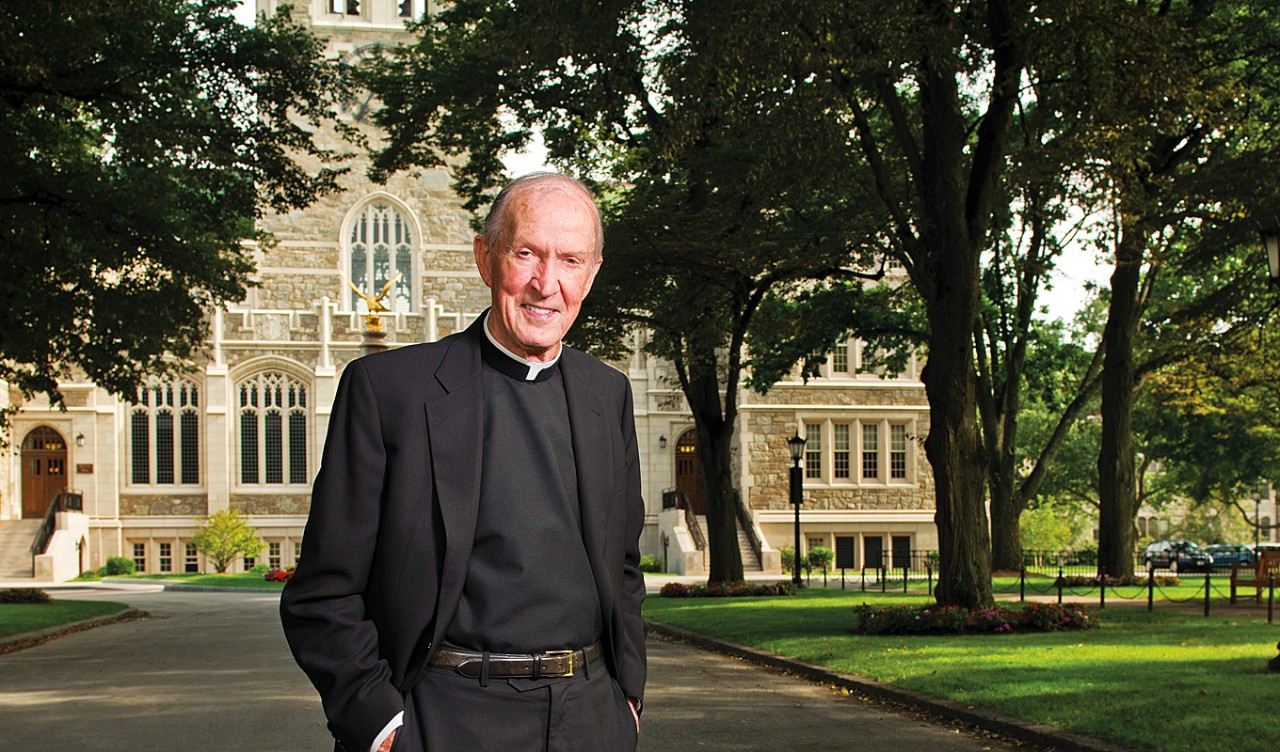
x=469, y=576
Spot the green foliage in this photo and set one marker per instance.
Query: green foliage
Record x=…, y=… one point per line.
x=1034, y=617
x=118, y=566
x=23, y=595
x=1053, y=527
x=788, y=557
x=224, y=537
x=260, y=568
x=821, y=558
x=651, y=563
x=140, y=140
x=727, y=589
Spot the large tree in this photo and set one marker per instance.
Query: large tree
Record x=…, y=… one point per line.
x=923, y=95
x=1178, y=99
x=140, y=139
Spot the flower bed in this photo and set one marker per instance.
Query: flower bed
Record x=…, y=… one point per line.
x=278, y=575
x=1034, y=617
x=726, y=589
x=1077, y=581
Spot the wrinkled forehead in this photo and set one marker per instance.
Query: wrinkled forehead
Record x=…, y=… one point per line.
x=552, y=201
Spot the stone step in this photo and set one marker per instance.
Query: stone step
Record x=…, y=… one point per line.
x=16, y=537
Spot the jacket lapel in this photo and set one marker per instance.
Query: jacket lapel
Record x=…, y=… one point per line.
x=455, y=426
x=592, y=450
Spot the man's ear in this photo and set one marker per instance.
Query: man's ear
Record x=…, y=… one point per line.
x=481, y=251
x=595, y=269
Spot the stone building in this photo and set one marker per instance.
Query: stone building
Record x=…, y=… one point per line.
x=244, y=428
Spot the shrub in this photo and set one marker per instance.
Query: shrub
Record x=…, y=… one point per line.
x=651, y=563
x=821, y=558
x=788, y=555
x=119, y=566
x=1034, y=617
x=1077, y=581
x=278, y=575
x=260, y=568
x=726, y=589
x=224, y=537
x=24, y=595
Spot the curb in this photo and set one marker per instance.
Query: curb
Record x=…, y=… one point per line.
x=31, y=639
x=1039, y=734
x=170, y=585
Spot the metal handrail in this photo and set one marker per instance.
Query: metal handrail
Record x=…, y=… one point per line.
x=744, y=520
x=46, y=526
x=691, y=522
x=63, y=501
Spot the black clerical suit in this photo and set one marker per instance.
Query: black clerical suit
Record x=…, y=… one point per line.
x=389, y=541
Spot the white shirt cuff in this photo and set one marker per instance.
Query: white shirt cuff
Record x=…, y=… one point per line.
x=392, y=725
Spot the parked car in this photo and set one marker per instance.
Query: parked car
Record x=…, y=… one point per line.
x=1226, y=554
x=1177, y=555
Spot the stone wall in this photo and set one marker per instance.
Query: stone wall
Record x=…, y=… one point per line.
x=164, y=505
x=283, y=503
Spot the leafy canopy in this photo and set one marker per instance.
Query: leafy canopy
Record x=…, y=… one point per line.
x=141, y=139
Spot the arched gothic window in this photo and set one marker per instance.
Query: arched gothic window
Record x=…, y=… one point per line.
x=164, y=434
x=273, y=430
x=380, y=243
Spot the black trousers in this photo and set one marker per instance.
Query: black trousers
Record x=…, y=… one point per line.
x=447, y=712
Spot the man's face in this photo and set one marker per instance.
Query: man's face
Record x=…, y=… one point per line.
x=539, y=279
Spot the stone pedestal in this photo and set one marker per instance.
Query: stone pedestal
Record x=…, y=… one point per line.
x=373, y=341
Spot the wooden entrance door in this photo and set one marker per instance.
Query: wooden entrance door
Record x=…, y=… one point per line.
x=689, y=471
x=44, y=470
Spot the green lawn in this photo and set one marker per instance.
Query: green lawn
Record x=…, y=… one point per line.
x=245, y=580
x=17, y=618
x=1163, y=681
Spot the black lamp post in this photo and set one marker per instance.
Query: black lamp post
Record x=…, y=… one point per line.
x=795, y=445
x=1271, y=241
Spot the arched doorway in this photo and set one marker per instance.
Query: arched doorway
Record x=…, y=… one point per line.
x=689, y=470
x=44, y=470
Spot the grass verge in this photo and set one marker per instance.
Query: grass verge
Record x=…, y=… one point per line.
x=248, y=580
x=1161, y=681
x=19, y=618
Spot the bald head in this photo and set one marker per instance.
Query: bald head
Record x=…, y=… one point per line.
x=497, y=224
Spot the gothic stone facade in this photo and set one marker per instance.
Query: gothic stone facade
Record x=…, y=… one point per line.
x=243, y=430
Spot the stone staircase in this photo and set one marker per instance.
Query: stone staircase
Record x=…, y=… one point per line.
x=16, y=537
x=750, y=562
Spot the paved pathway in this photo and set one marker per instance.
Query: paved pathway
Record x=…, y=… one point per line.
x=211, y=672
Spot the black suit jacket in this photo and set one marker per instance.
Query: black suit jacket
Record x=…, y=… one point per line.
x=393, y=516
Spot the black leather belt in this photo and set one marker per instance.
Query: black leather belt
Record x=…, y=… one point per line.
x=551, y=664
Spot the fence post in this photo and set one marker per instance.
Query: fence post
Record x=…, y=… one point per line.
x=929, y=574
x=1102, y=591
x=1022, y=584
x=1271, y=596
x=1059, y=584
x=1151, y=587
x=884, y=578
x=1207, y=570
x=904, y=579
x=842, y=578
x=864, y=577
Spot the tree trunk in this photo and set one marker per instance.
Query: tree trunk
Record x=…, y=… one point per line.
x=953, y=447
x=715, y=431
x=1117, y=484
x=722, y=512
x=1006, y=510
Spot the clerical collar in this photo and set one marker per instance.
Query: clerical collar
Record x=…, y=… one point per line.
x=513, y=365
